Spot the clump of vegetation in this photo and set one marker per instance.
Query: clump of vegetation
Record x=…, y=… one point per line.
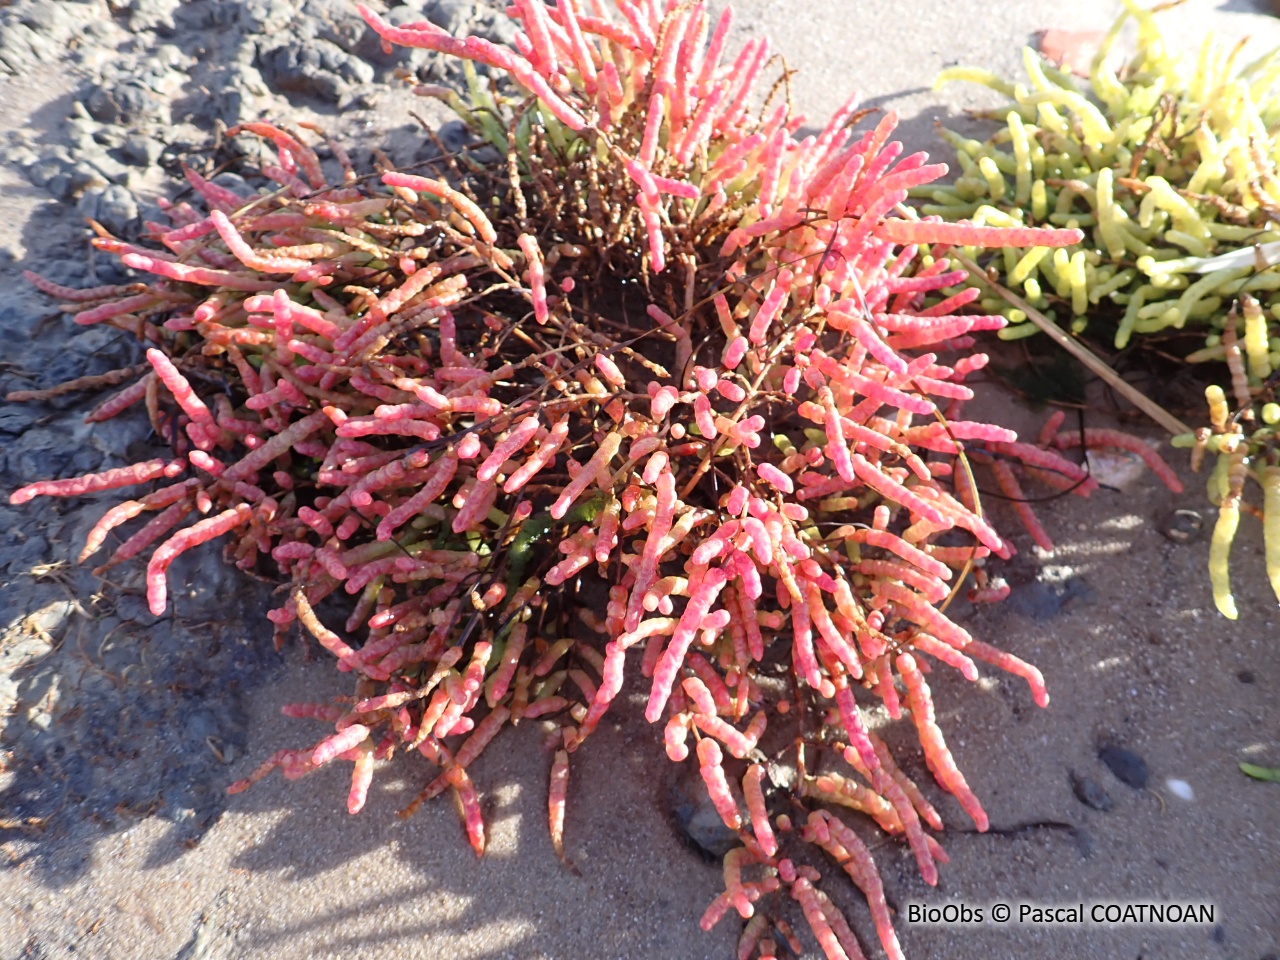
x=1172, y=171
x=687, y=424
x=1245, y=444
x=1164, y=166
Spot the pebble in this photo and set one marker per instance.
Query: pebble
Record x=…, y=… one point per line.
x=321, y=69
x=151, y=14
x=1091, y=793
x=1128, y=767
x=140, y=149
x=112, y=206
x=696, y=816
x=1043, y=600
x=1183, y=526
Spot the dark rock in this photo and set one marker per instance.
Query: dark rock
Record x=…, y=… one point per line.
x=696, y=816
x=140, y=149
x=15, y=419
x=25, y=555
x=41, y=453
x=500, y=29
x=1128, y=767
x=50, y=164
x=1182, y=526
x=320, y=69
x=132, y=608
x=149, y=14
x=1042, y=600
x=1084, y=841
x=1244, y=676
x=107, y=348
x=1091, y=793
x=264, y=17
x=126, y=102
x=106, y=268
x=450, y=15
x=235, y=183
x=98, y=164
x=112, y=206
x=454, y=135
x=333, y=20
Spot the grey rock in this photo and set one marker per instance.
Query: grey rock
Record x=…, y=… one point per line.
x=20, y=155
x=363, y=97
x=132, y=608
x=140, y=149
x=50, y=164
x=247, y=77
x=106, y=268
x=1182, y=526
x=112, y=206
x=51, y=618
x=1128, y=767
x=100, y=162
x=321, y=69
x=501, y=29
x=15, y=419
x=110, y=137
x=235, y=183
x=334, y=20
x=129, y=101
x=265, y=17
x=24, y=555
x=42, y=453
x=105, y=347
x=150, y=14
x=167, y=57
x=62, y=186
x=47, y=17
x=696, y=815
x=22, y=47
x=451, y=15
x=1042, y=600
x=1091, y=793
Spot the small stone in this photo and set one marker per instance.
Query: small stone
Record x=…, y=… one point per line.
x=1128, y=767
x=15, y=419
x=1091, y=793
x=112, y=206
x=126, y=102
x=140, y=150
x=501, y=30
x=449, y=15
x=44, y=169
x=1180, y=789
x=696, y=815
x=321, y=69
x=1183, y=526
x=46, y=16
x=235, y=183
x=20, y=155
x=1045, y=599
x=1244, y=676
x=152, y=14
